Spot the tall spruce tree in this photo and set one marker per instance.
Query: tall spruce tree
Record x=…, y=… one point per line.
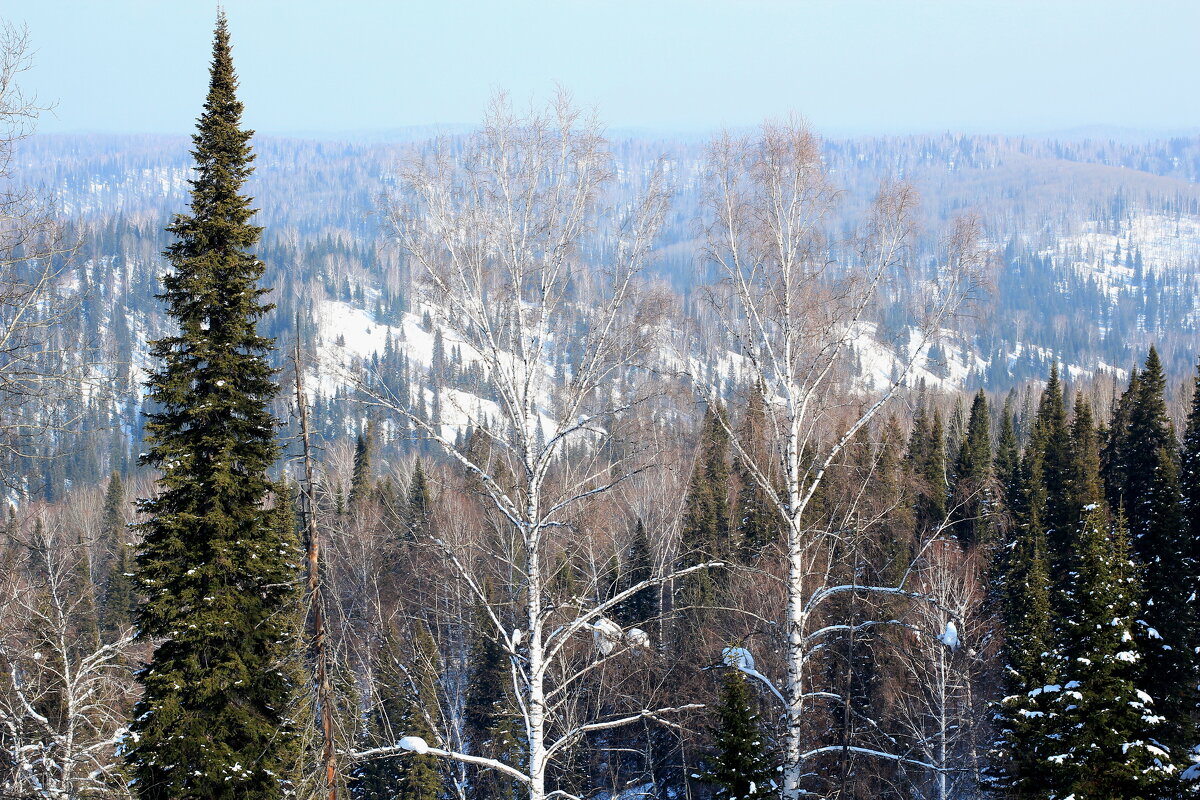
x=1049, y=459
x=757, y=519
x=927, y=465
x=1026, y=721
x=1107, y=723
x=216, y=568
x=1144, y=456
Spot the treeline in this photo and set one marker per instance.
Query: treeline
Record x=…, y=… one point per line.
x=1043, y=643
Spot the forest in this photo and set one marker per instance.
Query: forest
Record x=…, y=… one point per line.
x=759, y=467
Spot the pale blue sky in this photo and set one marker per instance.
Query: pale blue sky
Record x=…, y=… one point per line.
x=847, y=65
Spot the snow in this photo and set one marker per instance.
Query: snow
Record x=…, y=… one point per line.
x=607, y=635
x=738, y=657
x=949, y=637
x=637, y=639
x=413, y=744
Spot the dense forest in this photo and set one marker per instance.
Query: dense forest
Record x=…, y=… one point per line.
x=530, y=462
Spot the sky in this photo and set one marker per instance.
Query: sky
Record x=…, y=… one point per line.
x=312, y=67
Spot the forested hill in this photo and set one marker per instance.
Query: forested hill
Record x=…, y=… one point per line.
x=1097, y=250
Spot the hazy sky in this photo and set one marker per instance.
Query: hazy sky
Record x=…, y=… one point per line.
x=310, y=66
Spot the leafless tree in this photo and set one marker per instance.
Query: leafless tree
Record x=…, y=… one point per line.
x=33, y=266
x=796, y=313
x=517, y=251
x=64, y=693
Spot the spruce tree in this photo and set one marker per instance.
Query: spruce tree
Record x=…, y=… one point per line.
x=406, y=702
x=706, y=530
x=216, y=569
x=1144, y=453
x=757, y=520
x=927, y=464
x=971, y=499
x=637, y=566
x=360, y=479
x=742, y=767
x=117, y=603
x=1049, y=460
x=1025, y=720
x=418, y=507
x=1107, y=725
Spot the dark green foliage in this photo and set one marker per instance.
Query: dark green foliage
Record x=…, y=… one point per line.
x=1025, y=719
x=1047, y=471
x=1189, y=473
x=637, y=566
x=1142, y=453
x=217, y=567
x=972, y=496
x=117, y=603
x=706, y=530
x=406, y=702
x=742, y=767
x=1106, y=743
x=757, y=519
x=418, y=507
x=361, y=481
x=491, y=726
x=927, y=464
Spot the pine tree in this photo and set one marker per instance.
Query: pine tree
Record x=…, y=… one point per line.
x=216, y=568
x=742, y=767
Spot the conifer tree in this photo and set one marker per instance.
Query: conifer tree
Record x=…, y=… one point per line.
x=217, y=568
x=637, y=566
x=1107, y=745
x=1025, y=719
x=757, y=519
x=927, y=463
x=742, y=768
x=490, y=724
x=418, y=507
x=1144, y=453
x=1008, y=456
x=117, y=603
x=1049, y=464
x=407, y=700
x=1189, y=473
x=706, y=531
x=360, y=479
x=970, y=502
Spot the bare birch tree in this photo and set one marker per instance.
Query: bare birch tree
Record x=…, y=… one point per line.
x=33, y=266
x=517, y=254
x=796, y=313
x=64, y=693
